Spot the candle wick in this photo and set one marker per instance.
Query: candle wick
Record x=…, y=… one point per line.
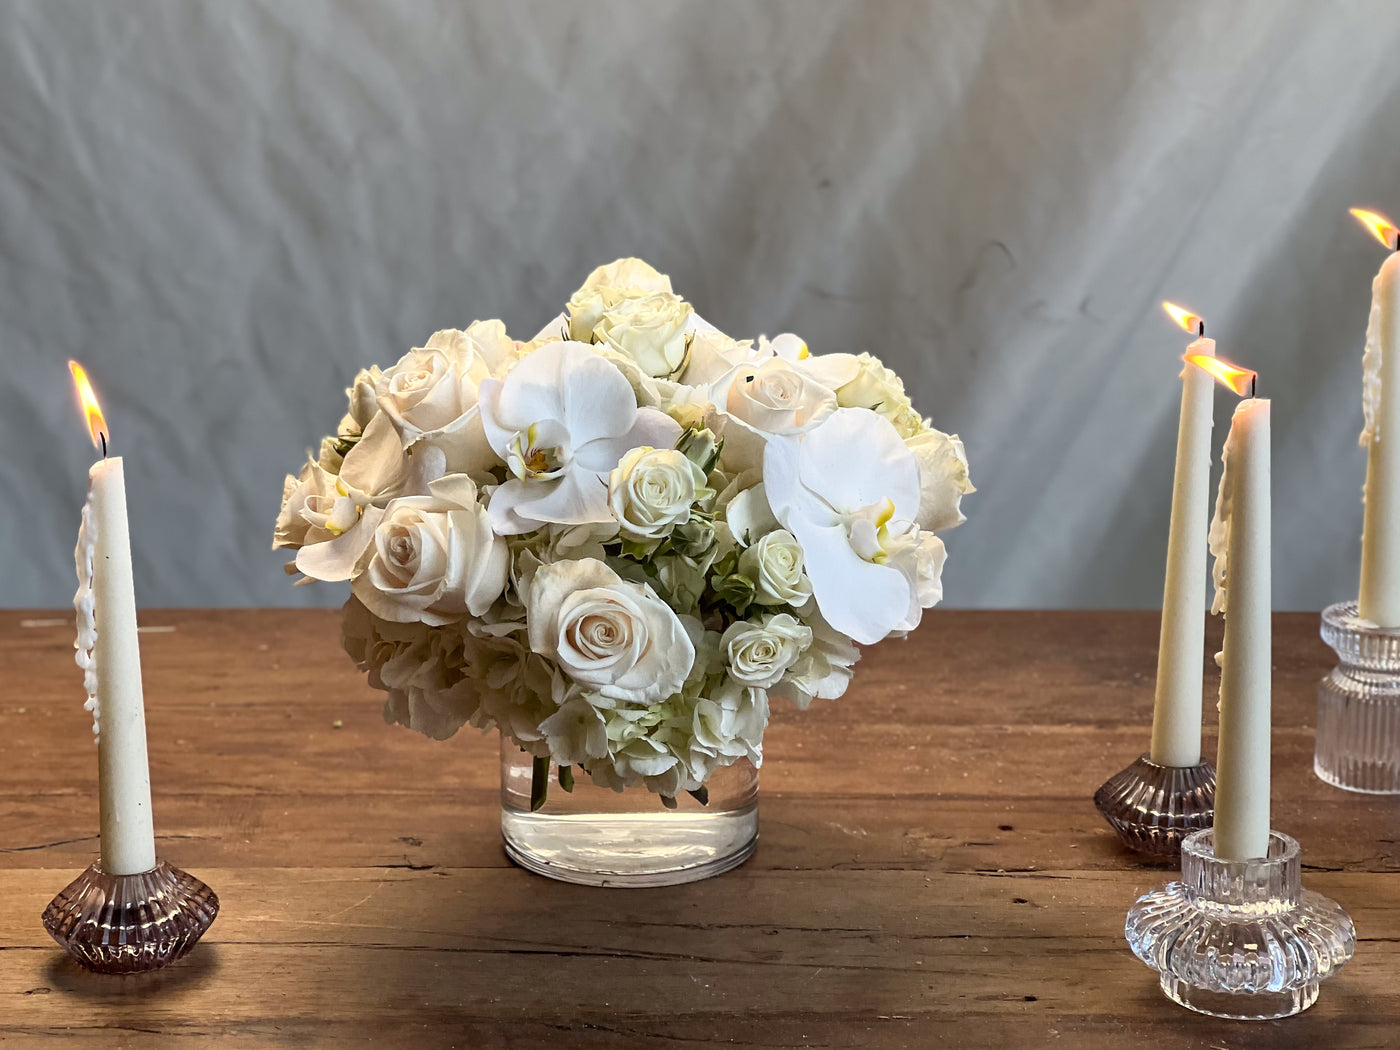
x=1253, y=384
x=103, y=436
x=1201, y=327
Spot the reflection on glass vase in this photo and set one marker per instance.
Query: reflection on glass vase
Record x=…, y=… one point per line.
x=598, y=837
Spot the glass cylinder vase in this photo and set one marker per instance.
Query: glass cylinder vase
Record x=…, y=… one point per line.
x=1358, y=705
x=595, y=836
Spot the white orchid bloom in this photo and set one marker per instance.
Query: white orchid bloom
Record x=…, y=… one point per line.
x=562, y=420
x=849, y=492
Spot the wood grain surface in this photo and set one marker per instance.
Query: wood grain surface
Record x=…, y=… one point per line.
x=931, y=870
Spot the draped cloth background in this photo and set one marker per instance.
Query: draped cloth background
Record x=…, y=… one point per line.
x=225, y=208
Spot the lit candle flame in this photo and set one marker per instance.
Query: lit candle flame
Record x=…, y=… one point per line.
x=1381, y=228
x=1193, y=323
x=96, y=421
x=1240, y=380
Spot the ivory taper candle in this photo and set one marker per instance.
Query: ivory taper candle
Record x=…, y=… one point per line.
x=1240, y=540
x=1176, y=715
x=1379, y=599
x=110, y=655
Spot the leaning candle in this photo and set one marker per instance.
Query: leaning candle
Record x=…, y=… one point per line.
x=1176, y=716
x=1379, y=600
x=109, y=652
x=1240, y=540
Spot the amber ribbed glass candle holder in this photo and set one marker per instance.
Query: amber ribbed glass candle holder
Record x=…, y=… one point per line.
x=1153, y=808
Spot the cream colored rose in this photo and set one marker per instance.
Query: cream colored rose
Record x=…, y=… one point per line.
x=434, y=558
x=608, y=634
x=879, y=389
x=433, y=388
x=363, y=405
x=774, y=564
x=607, y=286
x=651, y=491
x=650, y=330
x=943, y=479
x=759, y=653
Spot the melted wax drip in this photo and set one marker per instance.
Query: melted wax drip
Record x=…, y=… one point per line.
x=85, y=604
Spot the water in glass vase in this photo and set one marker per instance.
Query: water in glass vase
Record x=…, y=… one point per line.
x=598, y=837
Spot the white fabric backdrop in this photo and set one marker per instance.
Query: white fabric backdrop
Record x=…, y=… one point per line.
x=225, y=208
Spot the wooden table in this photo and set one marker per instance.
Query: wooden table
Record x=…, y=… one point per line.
x=931, y=868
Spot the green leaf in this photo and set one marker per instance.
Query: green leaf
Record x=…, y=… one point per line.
x=566, y=777
x=700, y=795
x=669, y=801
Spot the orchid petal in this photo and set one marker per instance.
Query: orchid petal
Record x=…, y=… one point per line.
x=857, y=458
x=336, y=559
x=859, y=598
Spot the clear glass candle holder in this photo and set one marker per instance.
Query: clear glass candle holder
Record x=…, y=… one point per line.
x=1358, y=705
x=1153, y=808
x=595, y=836
x=131, y=923
x=1240, y=939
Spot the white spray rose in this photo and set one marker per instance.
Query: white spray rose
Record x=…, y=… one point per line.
x=313, y=509
x=608, y=634
x=651, y=331
x=362, y=396
x=774, y=564
x=651, y=491
x=943, y=479
x=434, y=557
x=759, y=653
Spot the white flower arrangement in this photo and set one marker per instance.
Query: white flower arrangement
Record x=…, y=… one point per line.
x=618, y=541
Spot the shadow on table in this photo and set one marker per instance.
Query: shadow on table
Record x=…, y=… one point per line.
x=64, y=975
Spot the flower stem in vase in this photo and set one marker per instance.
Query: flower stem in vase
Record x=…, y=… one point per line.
x=539, y=784
x=566, y=777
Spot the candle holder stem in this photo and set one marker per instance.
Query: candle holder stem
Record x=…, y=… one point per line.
x=1240, y=939
x=1153, y=808
x=1358, y=705
x=131, y=923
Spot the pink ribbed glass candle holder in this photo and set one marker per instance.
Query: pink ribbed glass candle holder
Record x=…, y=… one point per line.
x=131, y=923
x=1358, y=705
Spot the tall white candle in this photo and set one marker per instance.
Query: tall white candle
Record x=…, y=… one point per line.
x=1379, y=600
x=110, y=655
x=1176, y=715
x=1241, y=541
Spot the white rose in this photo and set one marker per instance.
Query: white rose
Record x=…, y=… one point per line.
x=650, y=330
x=606, y=633
x=712, y=354
x=423, y=669
x=943, y=479
x=607, y=286
x=434, y=558
x=774, y=564
x=763, y=400
x=759, y=653
x=651, y=491
x=879, y=389
x=433, y=388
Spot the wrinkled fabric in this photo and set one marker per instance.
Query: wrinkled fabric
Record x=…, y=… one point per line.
x=226, y=208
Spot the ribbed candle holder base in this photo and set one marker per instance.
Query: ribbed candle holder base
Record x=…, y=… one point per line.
x=1240, y=939
x=131, y=923
x=1153, y=808
x=1358, y=705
